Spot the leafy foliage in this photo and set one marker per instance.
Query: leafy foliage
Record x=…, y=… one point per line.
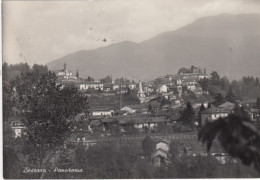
x=184, y=70
x=202, y=108
x=148, y=146
x=231, y=97
x=46, y=110
x=107, y=79
x=219, y=99
x=187, y=116
x=238, y=136
x=77, y=74
x=258, y=103
x=89, y=79
x=40, y=69
x=245, y=87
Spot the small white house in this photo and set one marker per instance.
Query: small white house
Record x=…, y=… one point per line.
x=162, y=89
x=18, y=128
x=102, y=112
x=91, y=85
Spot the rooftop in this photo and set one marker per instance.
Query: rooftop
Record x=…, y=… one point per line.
x=101, y=109
x=227, y=105
x=214, y=110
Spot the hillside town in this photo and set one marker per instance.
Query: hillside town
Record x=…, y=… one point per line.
x=158, y=121
x=161, y=99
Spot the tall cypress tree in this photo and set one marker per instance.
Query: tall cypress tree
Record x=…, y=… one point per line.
x=231, y=97
x=187, y=116
x=202, y=108
x=77, y=74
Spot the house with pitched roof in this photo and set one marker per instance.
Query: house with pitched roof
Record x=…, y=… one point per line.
x=102, y=111
x=161, y=155
x=212, y=114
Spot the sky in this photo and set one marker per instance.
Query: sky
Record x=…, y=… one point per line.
x=42, y=31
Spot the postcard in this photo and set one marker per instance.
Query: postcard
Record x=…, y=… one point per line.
x=130, y=89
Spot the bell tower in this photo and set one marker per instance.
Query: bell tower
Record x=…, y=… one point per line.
x=140, y=93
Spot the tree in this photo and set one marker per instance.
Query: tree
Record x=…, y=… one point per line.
x=235, y=85
x=231, y=97
x=165, y=101
x=257, y=82
x=215, y=78
x=8, y=100
x=99, y=90
x=219, y=99
x=258, y=102
x=107, y=79
x=46, y=110
x=225, y=84
x=150, y=109
x=187, y=116
x=128, y=93
x=148, y=147
x=237, y=135
x=90, y=79
x=183, y=70
x=239, y=110
x=40, y=68
x=202, y=108
x=77, y=74
x=205, y=84
x=174, y=151
x=209, y=105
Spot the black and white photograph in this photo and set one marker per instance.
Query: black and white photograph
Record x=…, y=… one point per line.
x=130, y=89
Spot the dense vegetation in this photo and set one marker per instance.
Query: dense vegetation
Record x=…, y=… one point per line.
x=46, y=109
x=235, y=89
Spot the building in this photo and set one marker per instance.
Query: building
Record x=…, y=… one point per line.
x=18, y=128
x=140, y=93
x=162, y=89
x=129, y=110
x=117, y=86
x=254, y=114
x=65, y=73
x=148, y=88
x=212, y=114
x=198, y=91
x=132, y=86
x=161, y=155
x=102, y=111
x=91, y=85
x=227, y=106
x=195, y=73
x=155, y=106
x=139, y=108
x=107, y=87
x=163, y=144
x=148, y=123
x=191, y=84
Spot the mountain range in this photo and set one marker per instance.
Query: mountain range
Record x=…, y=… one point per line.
x=228, y=44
